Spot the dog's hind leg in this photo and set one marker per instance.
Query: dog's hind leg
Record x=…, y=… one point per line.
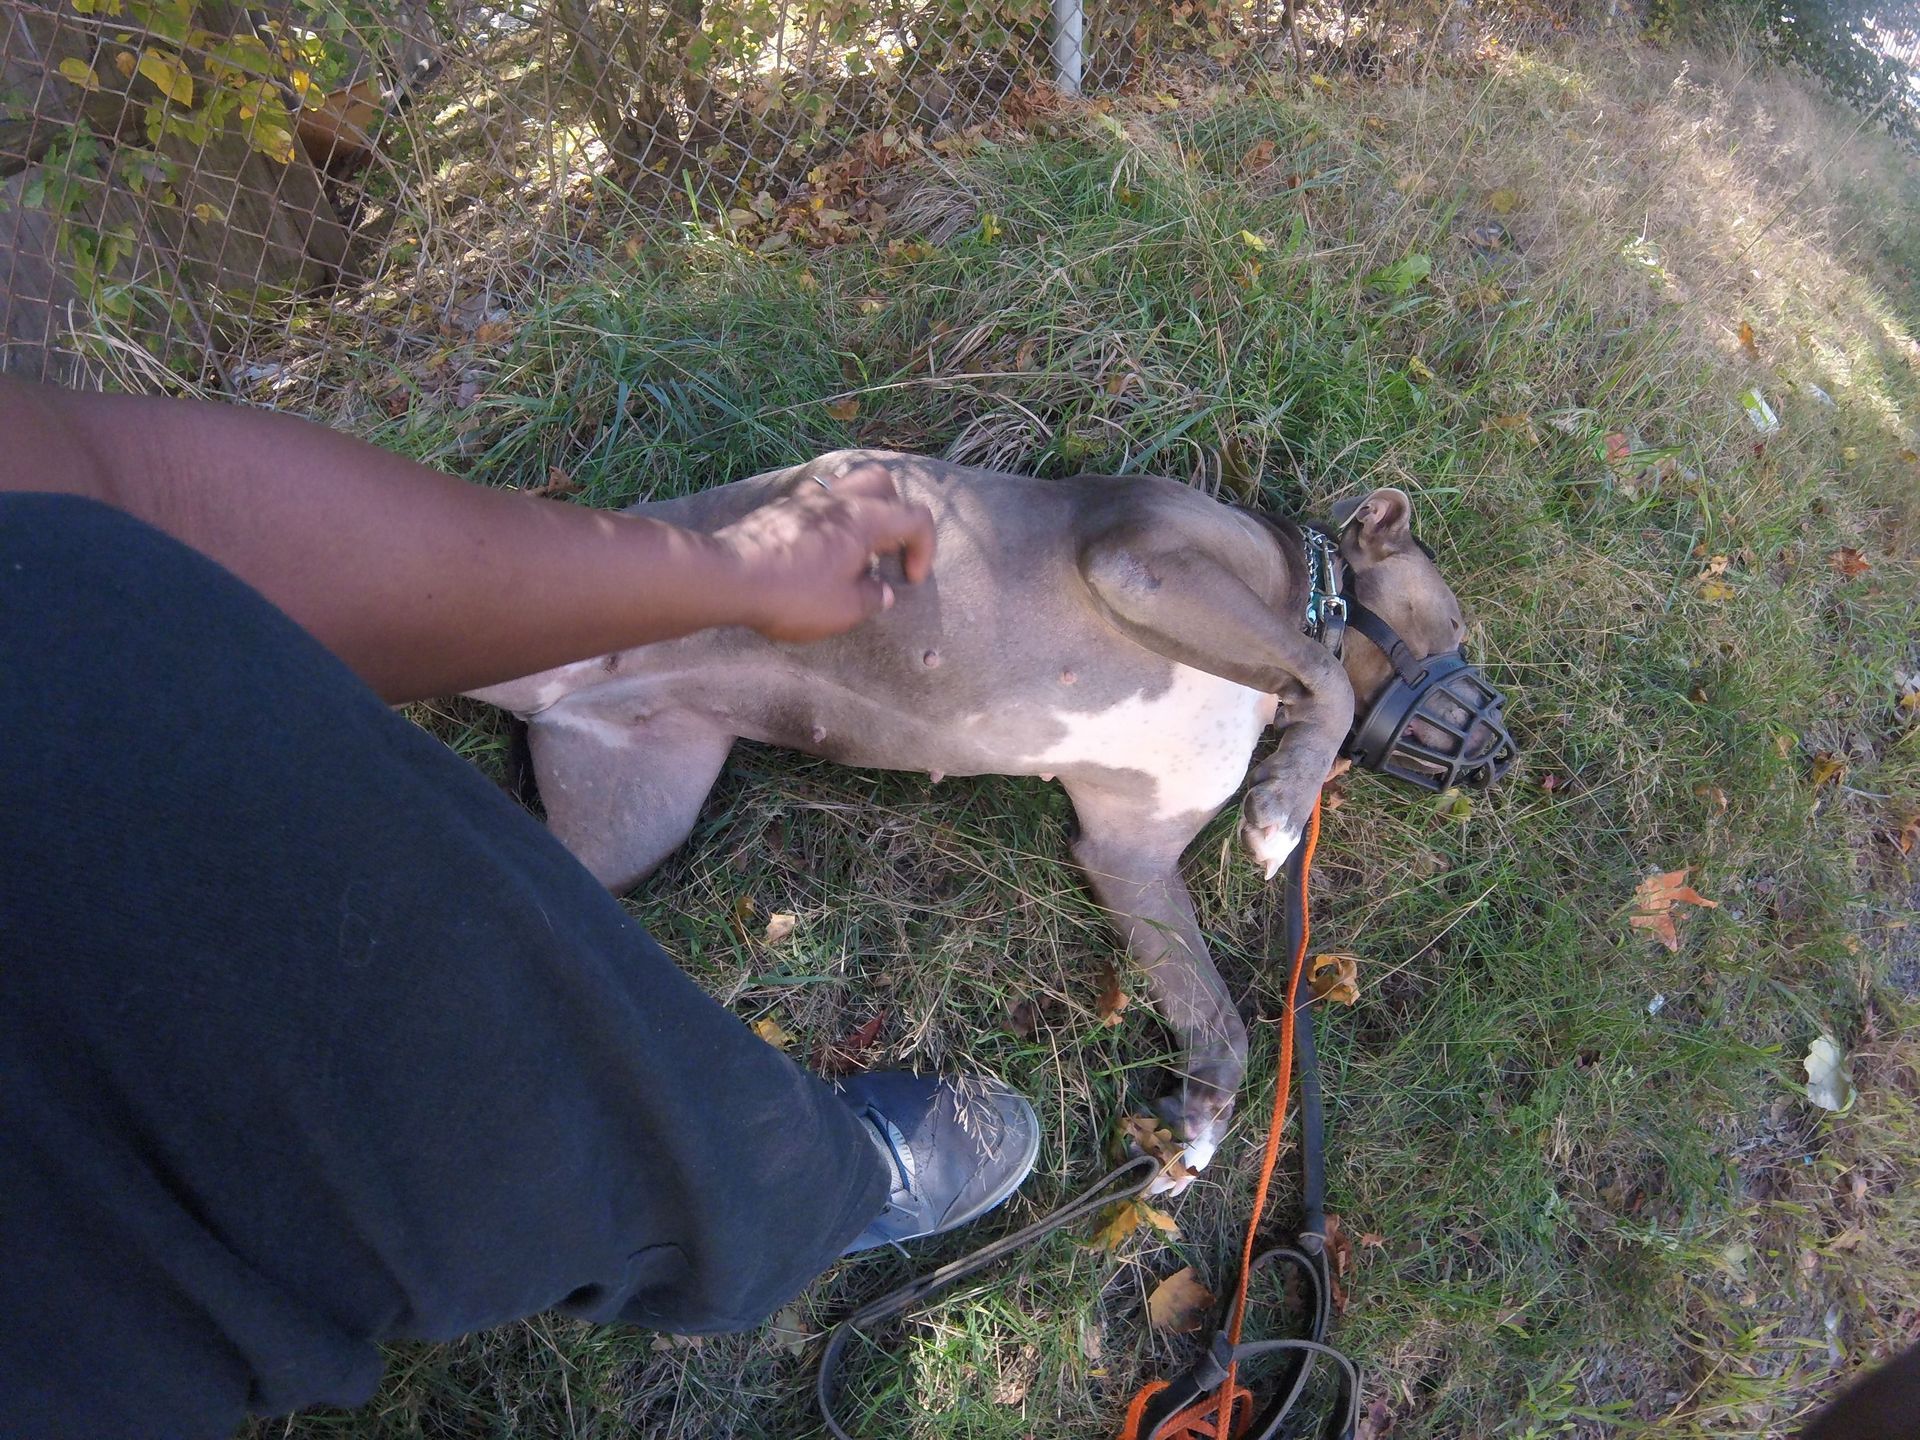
x=1132, y=861
x=622, y=796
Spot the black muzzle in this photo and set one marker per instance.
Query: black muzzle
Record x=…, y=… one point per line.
x=1437, y=724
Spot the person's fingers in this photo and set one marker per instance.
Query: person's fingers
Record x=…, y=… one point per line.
x=875, y=595
x=869, y=480
x=907, y=528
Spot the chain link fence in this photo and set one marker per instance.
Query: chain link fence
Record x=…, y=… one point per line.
x=204, y=195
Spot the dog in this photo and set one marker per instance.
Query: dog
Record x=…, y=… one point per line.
x=1129, y=636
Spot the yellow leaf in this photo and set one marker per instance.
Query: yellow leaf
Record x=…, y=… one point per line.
x=1159, y=1219
x=205, y=213
x=1335, y=978
x=774, y=1033
x=1828, y=767
x=123, y=62
x=1716, y=590
x=1143, y=1135
x=1321, y=82
x=79, y=72
x=843, y=410
x=779, y=926
x=1503, y=201
x=1747, y=342
x=273, y=141
x=1417, y=368
x=169, y=75
x=989, y=229
x=1180, y=1304
x=1252, y=241
x=1113, y=999
x=1117, y=1226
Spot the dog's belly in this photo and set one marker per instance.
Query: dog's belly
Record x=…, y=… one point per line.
x=1190, y=743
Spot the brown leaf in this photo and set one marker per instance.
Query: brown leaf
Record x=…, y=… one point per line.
x=1180, y=1304
x=1339, y=1261
x=1373, y=1240
x=1144, y=1135
x=1909, y=835
x=850, y=1053
x=843, y=410
x=1029, y=352
x=492, y=332
x=774, y=1033
x=1747, y=342
x=1023, y=1019
x=1618, y=447
x=557, y=483
x=1113, y=999
x=1849, y=562
x=1258, y=157
x=1376, y=1423
x=1654, y=899
x=779, y=926
x=1516, y=422
x=1335, y=978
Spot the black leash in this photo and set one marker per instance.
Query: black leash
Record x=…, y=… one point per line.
x=1307, y=1257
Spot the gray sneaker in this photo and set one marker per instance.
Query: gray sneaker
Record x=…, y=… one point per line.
x=954, y=1149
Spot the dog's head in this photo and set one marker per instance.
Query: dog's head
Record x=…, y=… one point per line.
x=1423, y=712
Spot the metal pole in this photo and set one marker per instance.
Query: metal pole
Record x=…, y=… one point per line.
x=1068, y=26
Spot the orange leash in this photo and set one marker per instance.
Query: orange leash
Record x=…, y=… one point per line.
x=1230, y=1407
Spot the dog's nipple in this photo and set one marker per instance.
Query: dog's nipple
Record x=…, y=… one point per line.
x=931, y=659
x=1067, y=677
x=819, y=733
x=936, y=776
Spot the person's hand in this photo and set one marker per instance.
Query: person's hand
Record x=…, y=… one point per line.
x=808, y=562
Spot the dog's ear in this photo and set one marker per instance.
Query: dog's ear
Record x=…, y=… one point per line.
x=1379, y=525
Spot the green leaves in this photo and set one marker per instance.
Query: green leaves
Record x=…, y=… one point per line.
x=1397, y=279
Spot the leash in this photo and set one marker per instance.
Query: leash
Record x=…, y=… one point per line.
x=1208, y=1402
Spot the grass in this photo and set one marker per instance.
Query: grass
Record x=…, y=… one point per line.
x=1594, y=1197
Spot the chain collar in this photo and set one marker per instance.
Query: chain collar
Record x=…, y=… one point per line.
x=1326, y=618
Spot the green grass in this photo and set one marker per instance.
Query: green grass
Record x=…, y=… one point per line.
x=1602, y=1205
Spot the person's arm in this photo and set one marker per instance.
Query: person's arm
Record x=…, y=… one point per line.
x=427, y=585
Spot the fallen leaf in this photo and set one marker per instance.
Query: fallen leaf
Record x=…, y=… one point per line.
x=774, y=1033
x=1746, y=341
x=1716, y=590
x=492, y=332
x=1029, y=352
x=843, y=410
x=1516, y=422
x=1023, y=1019
x=1618, y=447
x=1909, y=835
x=1144, y=1135
x=1118, y=1224
x=1849, y=562
x=1252, y=241
x=1180, y=1304
x=779, y=926
x=1418, y=369
x=989, y=229
x=1113, y=999
x=1259, y=155
x=743, y=912
x=557, y=484
x=1784, y=742
x=1335, y=978
x=1373, y=1240
x=850, y=1053
x=663, y=1343
x=1827, y=767
x=1503, y=201
x=1376, y=1423
x=788, y=1330
x=1654, y=899
x=1339, y=1261
x=1829, y=1082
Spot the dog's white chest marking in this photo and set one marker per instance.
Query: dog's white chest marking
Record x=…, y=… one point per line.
x=1193, y=740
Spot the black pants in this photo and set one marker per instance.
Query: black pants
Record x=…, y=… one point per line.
x=309, y=1038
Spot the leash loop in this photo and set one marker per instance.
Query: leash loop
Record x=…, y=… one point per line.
x=1123, y=1182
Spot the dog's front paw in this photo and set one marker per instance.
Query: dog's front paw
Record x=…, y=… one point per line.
x=1271, y=824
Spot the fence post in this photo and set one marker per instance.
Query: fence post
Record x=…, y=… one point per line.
x=1068, y=29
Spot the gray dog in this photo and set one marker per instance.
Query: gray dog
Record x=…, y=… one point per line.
x=1130, y=636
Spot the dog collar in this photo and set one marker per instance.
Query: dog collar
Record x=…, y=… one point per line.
x=1326, y=618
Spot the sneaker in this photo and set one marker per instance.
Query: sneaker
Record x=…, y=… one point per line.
x=954, y=1148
